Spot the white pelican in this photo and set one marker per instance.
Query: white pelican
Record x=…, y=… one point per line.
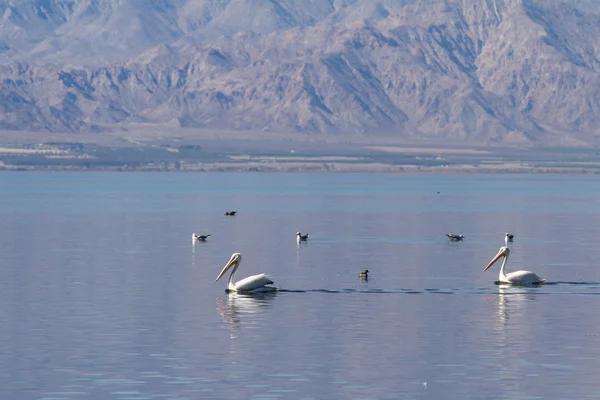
x=364, y=274
x=513, y=278
x=254, y=283
x=201, y=238
x=455, y=237
x=508, y=238
x=301, y=238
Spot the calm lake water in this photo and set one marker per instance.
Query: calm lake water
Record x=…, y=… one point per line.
x=104, y=295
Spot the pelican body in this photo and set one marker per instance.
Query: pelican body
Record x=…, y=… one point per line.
x=251, y=284
x=508, y=238
x=201, y=238
x=301, y=238
x=513, y=278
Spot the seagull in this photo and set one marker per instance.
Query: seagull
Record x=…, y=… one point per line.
x=455, y=237
x=301, y=238
x=508, y=238
x=230, y=212
x=201, y=238
x=364, y=274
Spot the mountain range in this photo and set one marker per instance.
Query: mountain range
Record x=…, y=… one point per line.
x=486, y=72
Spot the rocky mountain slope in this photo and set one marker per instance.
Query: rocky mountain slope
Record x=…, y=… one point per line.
x=488, y=71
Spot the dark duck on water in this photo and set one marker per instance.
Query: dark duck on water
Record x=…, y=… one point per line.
x=455, y=237
x=201, y=238
x=301, y=238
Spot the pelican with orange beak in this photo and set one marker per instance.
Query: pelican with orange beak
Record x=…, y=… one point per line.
x=513, y=278
x=251, y=284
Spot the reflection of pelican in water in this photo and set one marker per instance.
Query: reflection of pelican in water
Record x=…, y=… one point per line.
x=513, y=278
x=503, y=303
x=514, y=324
x=505, y=291
x=238, y=306
x=254, y=283
x=512, y=301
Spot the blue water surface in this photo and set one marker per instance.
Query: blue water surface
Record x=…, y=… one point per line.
x=105, y=296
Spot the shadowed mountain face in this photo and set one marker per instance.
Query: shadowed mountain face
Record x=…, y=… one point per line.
x=490, y=71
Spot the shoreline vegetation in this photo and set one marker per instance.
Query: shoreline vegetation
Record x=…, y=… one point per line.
x=222, y=153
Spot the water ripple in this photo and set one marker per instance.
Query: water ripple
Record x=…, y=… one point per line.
x=538, y=289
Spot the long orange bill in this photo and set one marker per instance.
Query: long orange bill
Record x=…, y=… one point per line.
x=225, y=269
x=496, y=258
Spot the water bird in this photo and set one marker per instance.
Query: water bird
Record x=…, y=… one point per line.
x=455, y=237
x=230, y=212
x=301, y=238
x=513, y=278
x=508, y=238
x=364, y=274
x=251, y=284
x=201, y=238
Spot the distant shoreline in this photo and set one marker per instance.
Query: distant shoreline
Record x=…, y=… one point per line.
x=329, y=168
x=209, y=152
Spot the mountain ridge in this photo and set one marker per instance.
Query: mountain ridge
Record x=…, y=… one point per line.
x=492, y=72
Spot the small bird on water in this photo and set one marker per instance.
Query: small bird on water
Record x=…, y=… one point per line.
x=230, y=212
x=508, y=238
x=364, y=274
x=455, y=237
x=301, y=238
x=201, y=238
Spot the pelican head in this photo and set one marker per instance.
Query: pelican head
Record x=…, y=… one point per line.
x=503, y=252
x=235, y=259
